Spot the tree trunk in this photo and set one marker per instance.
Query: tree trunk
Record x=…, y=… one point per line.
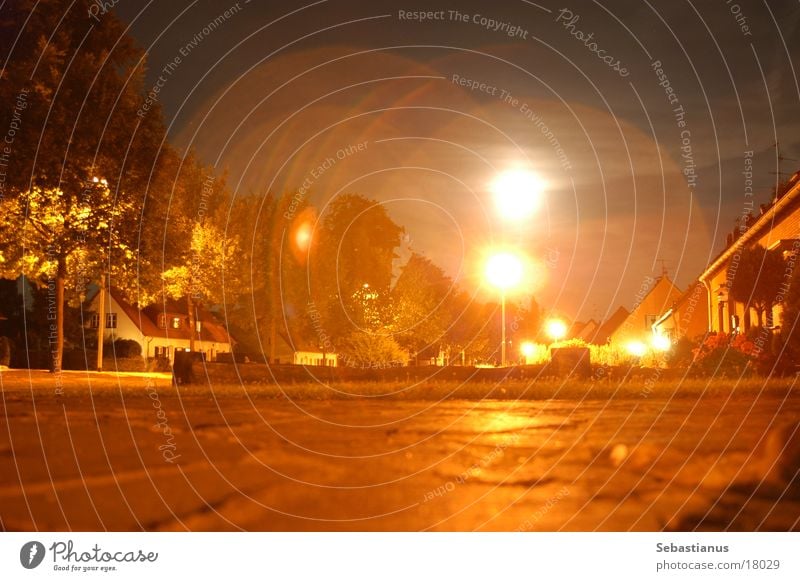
x=192, y=324
x=101, y=322
x=61, y=277
x=273, y=338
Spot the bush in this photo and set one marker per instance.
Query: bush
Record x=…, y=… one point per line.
x=682, y=353
x=721, y=354
x=159, y=364
x=122, y=349
x=371, y=351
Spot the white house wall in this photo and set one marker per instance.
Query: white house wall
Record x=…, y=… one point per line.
x=128, y=329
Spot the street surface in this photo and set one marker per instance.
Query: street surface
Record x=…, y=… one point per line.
x=133, y=453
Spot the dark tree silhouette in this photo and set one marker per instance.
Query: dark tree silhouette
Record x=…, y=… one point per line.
x=755, y=280
x=354, y=246
x=77, y=154
x=421, y=305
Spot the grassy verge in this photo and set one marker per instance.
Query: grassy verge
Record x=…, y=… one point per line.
x=511, y=390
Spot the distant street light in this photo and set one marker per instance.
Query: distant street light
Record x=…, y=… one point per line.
x=517, y=194
x=556, y=329
x=302, y=236
x=636, y=348
x=661, y=342
x=527, y=349
x=504, y=271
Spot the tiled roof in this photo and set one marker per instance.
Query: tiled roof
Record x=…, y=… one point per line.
x=610, y=325
x=146, y=319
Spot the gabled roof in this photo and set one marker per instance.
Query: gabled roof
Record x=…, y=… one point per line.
x=680, y=301
x=211, y=330
x=576, y=329
x=762, y=223
x=690, y=291
x=610, y=325
x=587, y=331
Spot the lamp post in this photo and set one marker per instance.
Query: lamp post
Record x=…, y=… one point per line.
x=503, y=271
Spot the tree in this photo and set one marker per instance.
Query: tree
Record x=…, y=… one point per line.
x=371, y=351
x=355, y=246
x=75, y=150
x=421, y=310
x=475, y=329
x=58, y=234
x=756, y=278
x=199, y=279
x=249, y=314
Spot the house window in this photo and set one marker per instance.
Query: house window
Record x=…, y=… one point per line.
x=162, y=321
x=159, y=352
x=95, y=322
x=735, y=324
x=176, y=322
x=111, y=320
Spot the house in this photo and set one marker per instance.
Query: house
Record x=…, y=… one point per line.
x=584, y=331
x=777, y=226
x=609, y=326
x=687, y=317
x=160, y=329
x=316, y=358
x=658, y=295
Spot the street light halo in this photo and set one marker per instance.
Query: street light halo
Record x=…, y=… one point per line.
x=556, y=329
x=517, y=193
x=504, y=270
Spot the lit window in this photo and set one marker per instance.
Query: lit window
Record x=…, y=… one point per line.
x=111, y=320
x=176, y=322
x=162, y=321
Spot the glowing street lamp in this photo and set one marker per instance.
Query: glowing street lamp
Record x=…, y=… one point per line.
x=302, y=236
x=636, y=348
x=517, y=194
x=527, y=349
x=661, y=342
x=556, y=329
x=504, y=271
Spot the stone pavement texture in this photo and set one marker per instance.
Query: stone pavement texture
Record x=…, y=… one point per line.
x=134, y=453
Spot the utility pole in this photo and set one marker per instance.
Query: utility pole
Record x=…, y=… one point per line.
x=101, y=321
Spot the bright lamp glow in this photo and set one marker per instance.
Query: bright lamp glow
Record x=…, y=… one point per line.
x=504, y=270
x=636, y=348
x=302, y=236
x=661, y=343
x=556, y=329
x=527, y=349
x=517, y=193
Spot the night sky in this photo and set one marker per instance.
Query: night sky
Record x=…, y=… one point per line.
x=640, y=116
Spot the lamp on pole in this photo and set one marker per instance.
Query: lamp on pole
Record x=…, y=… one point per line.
x=517, y=194
x=556, y=329
x=503, y=271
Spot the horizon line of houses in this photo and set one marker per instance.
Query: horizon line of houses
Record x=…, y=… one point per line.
x=661, y=308
x=706, y=306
